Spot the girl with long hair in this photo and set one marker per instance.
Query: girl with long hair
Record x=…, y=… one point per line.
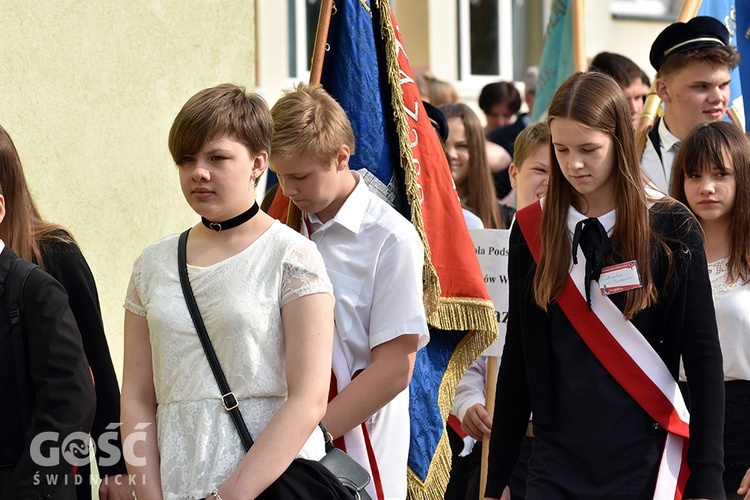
x=711, y=175
x=53, y=248
x=467, y=157
x=608, y=290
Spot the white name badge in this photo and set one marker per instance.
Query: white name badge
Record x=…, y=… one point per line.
x=620, y=278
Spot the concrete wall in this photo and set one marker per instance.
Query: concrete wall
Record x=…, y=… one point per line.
x=88, y=91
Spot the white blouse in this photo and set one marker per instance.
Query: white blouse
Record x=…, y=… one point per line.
x=240, y=299
x=732, y=304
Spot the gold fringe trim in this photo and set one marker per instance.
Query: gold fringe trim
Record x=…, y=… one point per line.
x=437, y=476
x=438, y=473
x=464, y=314
x=467, y=351
x=432, y=289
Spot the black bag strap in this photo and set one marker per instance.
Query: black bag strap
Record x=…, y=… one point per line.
x=17, y=274
x=228, y=399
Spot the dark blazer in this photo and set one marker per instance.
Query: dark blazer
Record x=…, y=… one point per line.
x=63, y=260
x=62, y=392
x=505, y=136
x=682, y=323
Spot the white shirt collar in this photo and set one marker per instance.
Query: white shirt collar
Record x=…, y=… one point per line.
x=351, y=213
x=2, y=246
x=668, y=139
x=607, y=220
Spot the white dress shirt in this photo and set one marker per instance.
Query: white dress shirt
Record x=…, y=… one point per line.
x=374, y=258
x=660, y=171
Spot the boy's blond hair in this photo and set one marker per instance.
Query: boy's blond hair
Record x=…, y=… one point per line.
x=308, y=122
x=528, y=140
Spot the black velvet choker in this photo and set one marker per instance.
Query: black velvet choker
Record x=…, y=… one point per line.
x=234, y=221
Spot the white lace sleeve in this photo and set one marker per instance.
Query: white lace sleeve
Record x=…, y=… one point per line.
x=304, y=273
x=132, y=297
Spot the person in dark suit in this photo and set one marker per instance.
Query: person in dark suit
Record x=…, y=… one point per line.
x=35, y=454
x=55, y=250
x=505, y=135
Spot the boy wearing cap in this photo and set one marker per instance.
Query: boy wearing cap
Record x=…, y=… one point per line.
x=374, y=258
x=693, y=61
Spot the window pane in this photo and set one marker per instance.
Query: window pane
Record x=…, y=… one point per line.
x=312, y=11
x=484, y=29
x=640, y=8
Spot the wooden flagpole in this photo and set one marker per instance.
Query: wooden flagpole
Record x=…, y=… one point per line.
x=579, y=36
x=490, y=378
x=321, y=41
x=294, y=214
x=648, y=115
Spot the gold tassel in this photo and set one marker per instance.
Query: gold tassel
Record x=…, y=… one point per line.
x=465, y=314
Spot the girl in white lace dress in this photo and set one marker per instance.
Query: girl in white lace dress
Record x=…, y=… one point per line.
x=711, y=174
x=267, y=304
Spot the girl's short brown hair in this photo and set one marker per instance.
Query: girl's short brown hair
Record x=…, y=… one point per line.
x=216, y=111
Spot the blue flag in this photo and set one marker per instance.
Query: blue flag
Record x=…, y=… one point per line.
x=557, y=56
x=725, y=11
x=354, y=75
x=400, y=157
x=742, y=39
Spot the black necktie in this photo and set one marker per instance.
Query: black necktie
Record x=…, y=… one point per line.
x=595, y=245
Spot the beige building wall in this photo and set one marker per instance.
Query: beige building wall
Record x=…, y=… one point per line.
x=629, y=37
x=272, y=38
x=88, y=91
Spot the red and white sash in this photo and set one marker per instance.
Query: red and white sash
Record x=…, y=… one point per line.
x=356, y=443
x=627, y=356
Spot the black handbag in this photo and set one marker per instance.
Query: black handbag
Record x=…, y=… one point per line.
x=336, y=476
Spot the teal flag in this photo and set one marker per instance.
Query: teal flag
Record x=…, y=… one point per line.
x=557, y=56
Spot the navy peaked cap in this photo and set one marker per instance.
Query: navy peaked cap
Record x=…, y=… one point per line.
x=698, y=33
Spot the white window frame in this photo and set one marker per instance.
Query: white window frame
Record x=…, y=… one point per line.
x=505, y=41
x=641, y=8
x=300, y=41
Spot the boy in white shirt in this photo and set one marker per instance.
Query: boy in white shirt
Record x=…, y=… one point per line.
x=374, y=258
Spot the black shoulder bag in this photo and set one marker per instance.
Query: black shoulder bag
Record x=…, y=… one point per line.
x=336, y=476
